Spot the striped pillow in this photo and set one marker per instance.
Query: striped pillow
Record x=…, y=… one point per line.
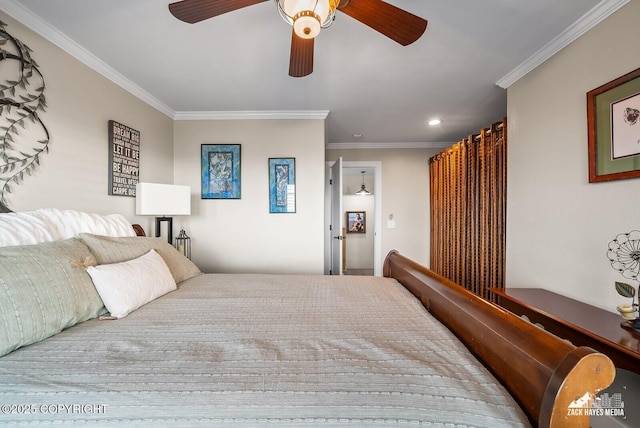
x=109, y=249
x=42, y=293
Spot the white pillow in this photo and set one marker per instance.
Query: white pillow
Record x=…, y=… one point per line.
x=126, y=286
x=51, y=224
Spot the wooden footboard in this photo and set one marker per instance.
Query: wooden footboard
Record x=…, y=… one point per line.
x=544, y=373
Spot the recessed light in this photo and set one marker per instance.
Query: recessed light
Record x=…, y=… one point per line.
x=434, y=122
x=357, y=135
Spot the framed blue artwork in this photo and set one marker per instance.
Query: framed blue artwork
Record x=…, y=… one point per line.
x=220, y=165
x=282, y=185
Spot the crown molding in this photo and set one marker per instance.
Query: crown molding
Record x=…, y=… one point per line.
x=390, y=145
x=251, y=115
x=20, y=13
x=589, y=20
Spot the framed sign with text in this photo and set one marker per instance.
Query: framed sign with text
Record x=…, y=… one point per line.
x=124, y=159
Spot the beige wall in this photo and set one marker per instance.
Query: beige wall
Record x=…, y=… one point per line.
x=241, y=235
x=559, y=225
x=73, y=175
x=405, y=190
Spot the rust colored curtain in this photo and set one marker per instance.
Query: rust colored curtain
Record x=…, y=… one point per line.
x=468, y=210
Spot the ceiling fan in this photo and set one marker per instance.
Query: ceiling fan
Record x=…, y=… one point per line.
x=307, y=18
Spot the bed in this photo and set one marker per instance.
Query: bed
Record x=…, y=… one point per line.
x=409, y=348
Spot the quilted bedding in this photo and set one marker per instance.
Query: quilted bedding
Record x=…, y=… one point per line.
x=258, y=350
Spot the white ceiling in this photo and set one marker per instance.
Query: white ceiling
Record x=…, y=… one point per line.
x=236, y=65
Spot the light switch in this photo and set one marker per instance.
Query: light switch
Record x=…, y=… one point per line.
x=391, y=224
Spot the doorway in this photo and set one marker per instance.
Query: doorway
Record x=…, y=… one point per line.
x=352, y=173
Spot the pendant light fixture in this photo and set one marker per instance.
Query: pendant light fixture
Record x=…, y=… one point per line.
x=363, y=190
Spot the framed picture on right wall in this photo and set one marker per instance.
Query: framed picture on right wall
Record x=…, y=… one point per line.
x=613, y=118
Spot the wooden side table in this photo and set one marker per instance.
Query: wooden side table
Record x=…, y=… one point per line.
x=580, y=323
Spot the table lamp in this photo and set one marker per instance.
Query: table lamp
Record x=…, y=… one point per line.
x=163, y=201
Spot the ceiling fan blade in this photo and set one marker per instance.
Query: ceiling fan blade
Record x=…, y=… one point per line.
x=395, y=23
x=301, y=59
x=193, y=11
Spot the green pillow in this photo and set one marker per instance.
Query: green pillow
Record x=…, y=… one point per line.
x=108, y=249
x=42, y=292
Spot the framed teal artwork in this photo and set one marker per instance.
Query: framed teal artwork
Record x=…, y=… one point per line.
x=282, y=185
x=220, y=165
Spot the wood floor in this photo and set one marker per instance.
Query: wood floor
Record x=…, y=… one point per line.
x=364, y=272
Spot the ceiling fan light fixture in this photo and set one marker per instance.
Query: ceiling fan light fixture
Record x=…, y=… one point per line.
x=307, y=16
x=306, y=24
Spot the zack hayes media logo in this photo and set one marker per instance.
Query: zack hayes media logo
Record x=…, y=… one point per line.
x=600, y=405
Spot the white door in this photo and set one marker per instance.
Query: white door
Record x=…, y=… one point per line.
x=336, y=218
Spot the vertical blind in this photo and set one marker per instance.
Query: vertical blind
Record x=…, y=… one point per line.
x=468, y=210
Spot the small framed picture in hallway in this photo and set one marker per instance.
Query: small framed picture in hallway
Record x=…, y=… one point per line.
x=356, y=222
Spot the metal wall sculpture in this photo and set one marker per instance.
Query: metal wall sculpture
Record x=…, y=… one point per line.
x=23, y=136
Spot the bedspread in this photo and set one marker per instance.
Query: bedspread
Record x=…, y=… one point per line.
x=256, y=350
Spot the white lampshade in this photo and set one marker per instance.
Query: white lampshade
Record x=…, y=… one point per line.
x=162, y=199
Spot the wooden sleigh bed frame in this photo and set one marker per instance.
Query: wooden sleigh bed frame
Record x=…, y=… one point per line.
x=544, y=373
